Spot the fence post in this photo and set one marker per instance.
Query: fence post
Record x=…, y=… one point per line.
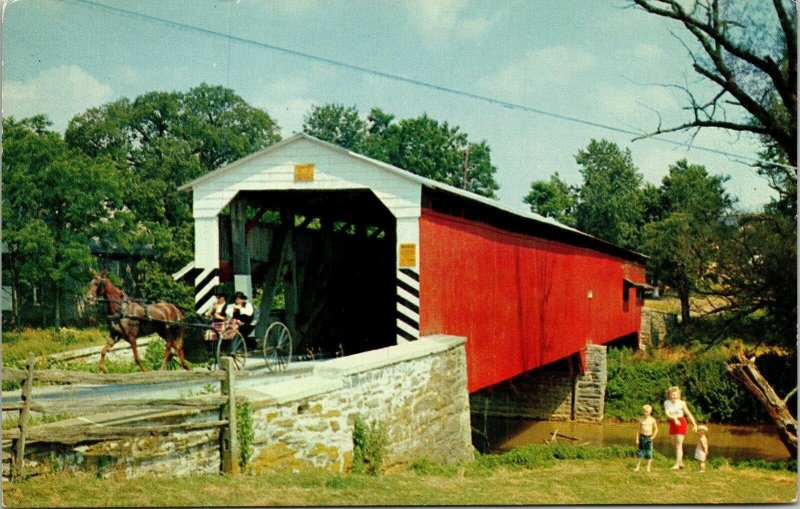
x=18, y=449
x=228, y=442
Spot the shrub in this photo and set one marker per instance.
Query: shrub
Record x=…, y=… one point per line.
x=154, y=355
x=712, y=393
x=369, y=444
x=244, y=431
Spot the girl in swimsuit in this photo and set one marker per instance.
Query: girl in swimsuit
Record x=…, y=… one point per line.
x=677, y=411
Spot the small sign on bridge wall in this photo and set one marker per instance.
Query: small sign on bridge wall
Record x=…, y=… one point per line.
x=408, y=255
x=304, y=172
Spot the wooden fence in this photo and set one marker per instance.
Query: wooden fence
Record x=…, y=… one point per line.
x=24, y=432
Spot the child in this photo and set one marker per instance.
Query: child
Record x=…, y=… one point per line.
x=648, y=429
x=701, y=452
x=677, y=411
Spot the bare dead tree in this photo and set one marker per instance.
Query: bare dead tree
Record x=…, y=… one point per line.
x=745, y=370
x=749, y=50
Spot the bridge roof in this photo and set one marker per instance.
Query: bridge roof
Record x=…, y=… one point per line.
x=573, y=234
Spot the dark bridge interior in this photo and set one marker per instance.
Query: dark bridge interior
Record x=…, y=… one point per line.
x=323, y=262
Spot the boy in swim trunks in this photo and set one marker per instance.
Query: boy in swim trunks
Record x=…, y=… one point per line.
x=648, y=429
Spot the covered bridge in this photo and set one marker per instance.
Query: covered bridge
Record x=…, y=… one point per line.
x=361, y=255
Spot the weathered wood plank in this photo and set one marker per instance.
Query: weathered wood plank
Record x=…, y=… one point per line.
x=153, y=377
x=206, y=403
x=18, y=461
x=36, y=407
x=76, y=434
x=229, y=445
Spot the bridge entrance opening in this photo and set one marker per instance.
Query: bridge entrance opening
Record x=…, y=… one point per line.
x=322, y=262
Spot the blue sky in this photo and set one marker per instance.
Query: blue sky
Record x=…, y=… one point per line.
x=589, y=59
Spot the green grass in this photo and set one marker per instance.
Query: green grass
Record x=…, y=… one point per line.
x=43, y=342
x=607, y=480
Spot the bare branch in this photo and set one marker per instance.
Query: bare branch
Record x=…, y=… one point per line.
x=788, y=396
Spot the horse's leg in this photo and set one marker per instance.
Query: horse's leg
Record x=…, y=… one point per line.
x=135, y=349
x=102, y=367
x=167, y=352
x=178, y=342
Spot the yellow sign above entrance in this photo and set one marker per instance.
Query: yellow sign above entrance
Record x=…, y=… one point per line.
x=304, y=172
x=408, y=255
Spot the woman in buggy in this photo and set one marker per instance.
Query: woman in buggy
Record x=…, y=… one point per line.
x=218, y=318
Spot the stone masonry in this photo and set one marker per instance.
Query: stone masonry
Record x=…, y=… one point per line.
x=552, y=392
x=590, y=388
x=417, y=392
x=655, y=327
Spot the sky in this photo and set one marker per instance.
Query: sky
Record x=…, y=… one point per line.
x=592, y=60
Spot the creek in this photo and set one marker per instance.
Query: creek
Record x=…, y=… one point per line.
x=730, y=441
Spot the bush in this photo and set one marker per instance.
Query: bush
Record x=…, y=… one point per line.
x=369, y=443
x=711, y=392
x=244, y=431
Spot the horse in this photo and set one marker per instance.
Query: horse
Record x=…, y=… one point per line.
x=128, y=320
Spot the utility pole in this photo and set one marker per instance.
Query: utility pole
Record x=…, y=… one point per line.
x=466, y=166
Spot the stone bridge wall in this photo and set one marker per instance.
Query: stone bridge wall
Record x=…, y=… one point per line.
x=553, y=392
x=417, y=391
x=655, y=327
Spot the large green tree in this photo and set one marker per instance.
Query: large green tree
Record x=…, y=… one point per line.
x=611, y=204
x=683, y=244
x=161, y=140
x=553, y=198
x=337, y=124
x=54, y=200
x=421, y=145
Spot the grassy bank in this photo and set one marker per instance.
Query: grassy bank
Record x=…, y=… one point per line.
x=594, y=481
x=43, y=342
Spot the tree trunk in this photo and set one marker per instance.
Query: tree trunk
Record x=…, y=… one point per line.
x=747, y=373
x=57, y=313
x=685, y=306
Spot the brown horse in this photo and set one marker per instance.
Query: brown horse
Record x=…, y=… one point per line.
x=128, y=320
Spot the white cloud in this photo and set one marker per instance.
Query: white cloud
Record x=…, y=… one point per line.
x=60, y=93
x=551, y=66
x=633, y=106
x=648, y=52
x=441, y=20
x=286, y=102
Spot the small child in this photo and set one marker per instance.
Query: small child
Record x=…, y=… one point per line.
x=648, y=429
x=701, y=452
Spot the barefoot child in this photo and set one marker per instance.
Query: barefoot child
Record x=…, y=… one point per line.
x=677, y=411
x=701, y=452
x=648, y=429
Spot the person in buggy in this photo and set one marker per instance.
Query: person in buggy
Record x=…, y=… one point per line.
x=242, y=312
x=217, y=314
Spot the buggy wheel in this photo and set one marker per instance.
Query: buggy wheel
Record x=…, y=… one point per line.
x=277, y=347
x=213, y=356
x=235, y=348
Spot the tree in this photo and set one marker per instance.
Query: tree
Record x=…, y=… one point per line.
x=748, y=52
x=56, y=198
x=553, y=198
x=161, y=140
x=420, y=145
x=757, y=268
x=336, y=124
x=611, y=206
x=683, y=245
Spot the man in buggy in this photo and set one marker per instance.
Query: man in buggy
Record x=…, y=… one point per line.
x=241, y=311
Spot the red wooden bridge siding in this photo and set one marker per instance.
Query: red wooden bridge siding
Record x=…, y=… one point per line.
x=521, y=301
